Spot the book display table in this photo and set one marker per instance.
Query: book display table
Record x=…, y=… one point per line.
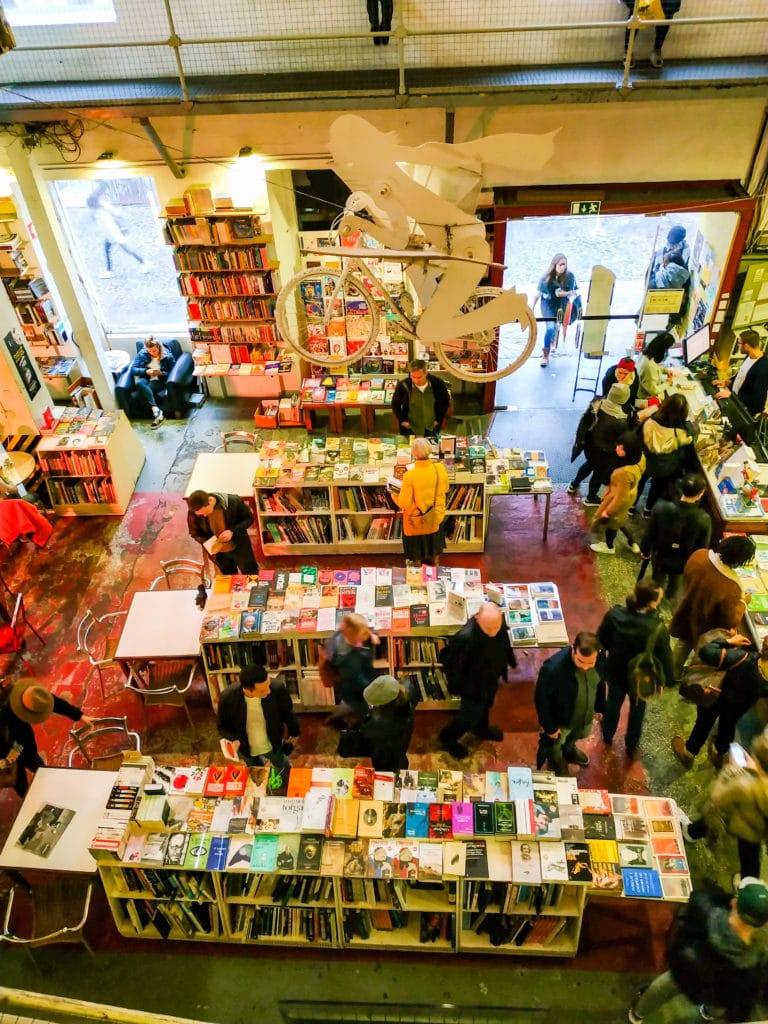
x=335, y=394
x=497, y=862
x=413, y=611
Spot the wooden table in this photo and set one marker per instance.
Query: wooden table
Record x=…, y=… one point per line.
x=336, y=414
x=224, y=472
x=18, y=467
x=160, y=624
x=81, y=790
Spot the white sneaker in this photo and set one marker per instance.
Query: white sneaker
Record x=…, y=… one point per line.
x=106, y=273
x=590, y=504
x=601, y=548
x=683, y=821
x=634, y=548
x=158, y=419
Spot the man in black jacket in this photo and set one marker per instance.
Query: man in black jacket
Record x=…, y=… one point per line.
x=677, y=529
x=421, y=402
x=474, y=660
x=718, y=956
x=226, y=517
x=254, y=714
x=568, y=696
x=751, y=382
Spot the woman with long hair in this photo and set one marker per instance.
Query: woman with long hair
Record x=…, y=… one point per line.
x=556, y=288
x=650, y=373
x=667, y=439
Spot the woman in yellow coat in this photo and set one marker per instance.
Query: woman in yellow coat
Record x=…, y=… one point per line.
x=422, y=499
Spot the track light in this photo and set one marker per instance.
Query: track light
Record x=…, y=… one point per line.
x=245, y=151
x=108, y=154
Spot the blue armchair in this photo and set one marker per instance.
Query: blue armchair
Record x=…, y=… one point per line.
x=173, y=400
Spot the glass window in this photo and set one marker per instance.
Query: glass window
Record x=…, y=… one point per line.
x=116, y=235
x=58, y=12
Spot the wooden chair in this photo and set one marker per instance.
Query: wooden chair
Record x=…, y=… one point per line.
x=95, y=639
x=102, y=743
x=238, y=440
x=181, y=574
x=56, y=911
x=13, y=625
x=163, y=682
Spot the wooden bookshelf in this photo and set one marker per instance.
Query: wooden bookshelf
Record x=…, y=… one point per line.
x=28, y=293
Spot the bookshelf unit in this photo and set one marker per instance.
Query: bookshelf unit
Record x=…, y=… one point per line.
x=336, y=517
x=91, y=474
x=230, y=282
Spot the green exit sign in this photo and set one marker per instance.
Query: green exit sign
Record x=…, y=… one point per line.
x=590, y=208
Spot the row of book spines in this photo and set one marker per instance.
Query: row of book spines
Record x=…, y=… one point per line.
x=227, y=284
x=168, y=884
x=359, y=499
x=189, y=919
x=380, y=528
x=309, y=530
x=422, y=649
x=279, y=888
x=231, y=309
x=237, y=334
x=75, y=463
x=256, y=352
x=515, y=929
x=316, y=924
x=81, y=492
x=274, y=653
x=231, y=261
x=479, y=895
x=460, y=531
x=465, y=498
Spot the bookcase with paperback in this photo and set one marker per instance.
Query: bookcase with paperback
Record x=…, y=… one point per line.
x=348, y=857
x=91, y=460
x=230, y=282
x=282, y=618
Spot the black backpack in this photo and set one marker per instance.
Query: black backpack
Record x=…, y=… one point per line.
x=645, y=673
x=586, y=423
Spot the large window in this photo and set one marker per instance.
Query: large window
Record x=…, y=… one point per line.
x=115, y=232
x=58, y=12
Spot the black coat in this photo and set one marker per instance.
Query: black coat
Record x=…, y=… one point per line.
x=278, y=715
x=14, y=733
x=474, y=662
x=556, y=688
x=754, y=390
x=237, y=518
x=624, y=633
x=401, y=399
x=675, y=531
x=388, y=732
x=711, y=971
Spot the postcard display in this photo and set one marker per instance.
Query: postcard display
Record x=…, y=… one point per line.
x=450, y=861
x=285, y=617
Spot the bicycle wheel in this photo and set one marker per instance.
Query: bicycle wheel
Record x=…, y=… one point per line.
x=327, y=320
x=495, y=353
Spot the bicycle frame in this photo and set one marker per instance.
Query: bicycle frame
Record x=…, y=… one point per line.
x=353, y=264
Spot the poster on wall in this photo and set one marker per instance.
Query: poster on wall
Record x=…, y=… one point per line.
x=25, y=368
x=753, y=301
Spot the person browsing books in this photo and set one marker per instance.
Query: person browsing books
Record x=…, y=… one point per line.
x=351, y=652
x=422, y=500
x=225, y=517
x=387, y=731
x=717, y=957
x=254, y=714
x=421, y=402
x=568, y=696
x=23, y=704
x=750, y=384
x=474, y=659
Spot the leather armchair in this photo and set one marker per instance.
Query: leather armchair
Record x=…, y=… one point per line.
x=173, y=400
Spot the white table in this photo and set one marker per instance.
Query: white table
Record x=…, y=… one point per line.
x=224, y=472
x=160, y=624
x=81, y=790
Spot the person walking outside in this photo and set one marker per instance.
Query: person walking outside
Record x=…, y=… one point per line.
x=422, y=499
x=597, y=435
x=568, y=697
x=624, y=633
x=678, y=527
x=227, y=518
x=555, y=290
x=106, y=221
x=620, y=495
x=713, y=597
x=474, y=659
x=717, y=957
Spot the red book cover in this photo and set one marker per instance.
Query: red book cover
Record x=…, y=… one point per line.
x=235, y=779
x=215, y=780
x=440, y=821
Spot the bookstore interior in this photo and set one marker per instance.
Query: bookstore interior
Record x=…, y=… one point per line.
x=495, y=861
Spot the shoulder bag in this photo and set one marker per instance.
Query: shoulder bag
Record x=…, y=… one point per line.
x=701, y=684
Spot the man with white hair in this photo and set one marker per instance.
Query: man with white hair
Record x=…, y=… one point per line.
x=474, y=659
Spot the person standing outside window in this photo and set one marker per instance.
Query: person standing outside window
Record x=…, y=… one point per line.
x=556, y=289
x=421, y=402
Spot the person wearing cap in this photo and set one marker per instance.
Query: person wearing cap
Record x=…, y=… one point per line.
x=717, y=958
x=23, y=704
x=387, y=731
x=678, y=526
x=623, y=372
x=254, y=713
x=750, y=384
x=474, y=659
x=597, y=433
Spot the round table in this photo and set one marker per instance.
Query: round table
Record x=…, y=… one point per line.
x=21, y=468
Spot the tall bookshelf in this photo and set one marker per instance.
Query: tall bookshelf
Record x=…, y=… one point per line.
x=229, y=279
x=334, y=518
x=94, y=473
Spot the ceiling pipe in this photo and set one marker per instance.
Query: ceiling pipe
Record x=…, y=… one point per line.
x=157, y=142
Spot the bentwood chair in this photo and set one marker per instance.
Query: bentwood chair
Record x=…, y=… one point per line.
x=165, y=682
x=55, y=911
x=238, y=440
x=103, y=743
x=13, y=625
x=97, y=640
x=181, y=574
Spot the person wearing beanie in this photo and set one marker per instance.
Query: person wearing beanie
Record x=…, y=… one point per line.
x=254, y=714
x=623, y=372
x=750, y=384
x=717, y=957
x=596, y=435
x=388, y=729
x=23, y=704
x=474, y=659
x=678, y=527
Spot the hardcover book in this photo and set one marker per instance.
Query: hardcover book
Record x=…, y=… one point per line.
x=554, y=867
x=484, y=818
x=417, y=821
x=430, y=862
x=643, y=883
x=579, y=862
x=462, y=819
x=370, y=819
x=476, y=859
x=310, y=853
x=440, y=821
x=264, y=853
x=506, y=821
x=526, y=866
x=287, y=853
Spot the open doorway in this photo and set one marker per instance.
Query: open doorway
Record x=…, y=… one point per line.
x=625, y=243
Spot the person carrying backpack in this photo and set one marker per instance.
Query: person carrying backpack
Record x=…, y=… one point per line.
x=677, y=528
x=639, y=660
x=603, y=422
